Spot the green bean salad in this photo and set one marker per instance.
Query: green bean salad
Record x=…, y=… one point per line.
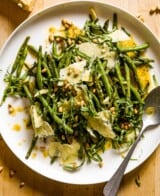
x=85, y=93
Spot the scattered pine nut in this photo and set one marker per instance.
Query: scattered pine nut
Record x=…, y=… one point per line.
x=44, y=70
x=112, y=109
x=137, y=181
x=66, y=23
x=12, y=173
x=21, y=185
x=95, y=40
x=76, y=118
x=69, y=42
x=51, y=37
x=60, y=109
x=100, y=164
x=135, y=111
x=140, y=18
x=10, y=109
x=94, y=90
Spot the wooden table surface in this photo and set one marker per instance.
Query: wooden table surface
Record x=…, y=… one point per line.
x=23, y=181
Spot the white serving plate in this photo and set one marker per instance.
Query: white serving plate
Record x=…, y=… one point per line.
x=37, y=27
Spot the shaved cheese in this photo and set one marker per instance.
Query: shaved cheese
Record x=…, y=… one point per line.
x=25, y=4
x=75, y=73
x=118, y=35
x=108, y=55
x=41, y=127
x=93, y=50
x=101, y=124
x=67, y=153
x=53, y=149
x=90, y=49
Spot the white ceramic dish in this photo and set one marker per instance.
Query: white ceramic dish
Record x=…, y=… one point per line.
x=37, y=27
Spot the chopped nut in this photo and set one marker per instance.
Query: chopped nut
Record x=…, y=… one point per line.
x=25, y=4
x=135, y=111
x=51, y=37
x=10, y=108
x=82, y=103
x=87, y=146
x=1, y=169
x=70, y=87
x=74, y=93
x=58, y=39
x=126, y=126
x=129, y=125
x=20, y=5
x=100, y=164
x=55, y=89
x=60, y=109
x=69, y=42
x=65, y=82
x=94, y=90
x=42, y=148
x=69, y=139
x=67, y=86
x=122, y=125
x=137, y=181
x=12, y=173
x=103, y=50
x=140, y=18
x=21, y=185
x=95, y=40
x=75, y=125
x=99, y=40
x=79, y=41
x=76, y=118
x=79, y=58
x=112, y=109
x=44, y=70
x=78, y=103
x=63, y=137
x=66, y=23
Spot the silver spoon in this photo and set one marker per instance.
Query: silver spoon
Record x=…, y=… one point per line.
x=150, y=120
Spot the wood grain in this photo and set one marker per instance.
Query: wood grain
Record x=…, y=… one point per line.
x=149, y=172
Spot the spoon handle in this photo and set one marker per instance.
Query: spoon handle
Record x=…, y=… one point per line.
x=112, y=186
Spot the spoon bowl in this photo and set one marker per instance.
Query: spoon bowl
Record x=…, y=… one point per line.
x=150, y=118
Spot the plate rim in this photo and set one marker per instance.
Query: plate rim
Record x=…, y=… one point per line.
x=43, y=12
